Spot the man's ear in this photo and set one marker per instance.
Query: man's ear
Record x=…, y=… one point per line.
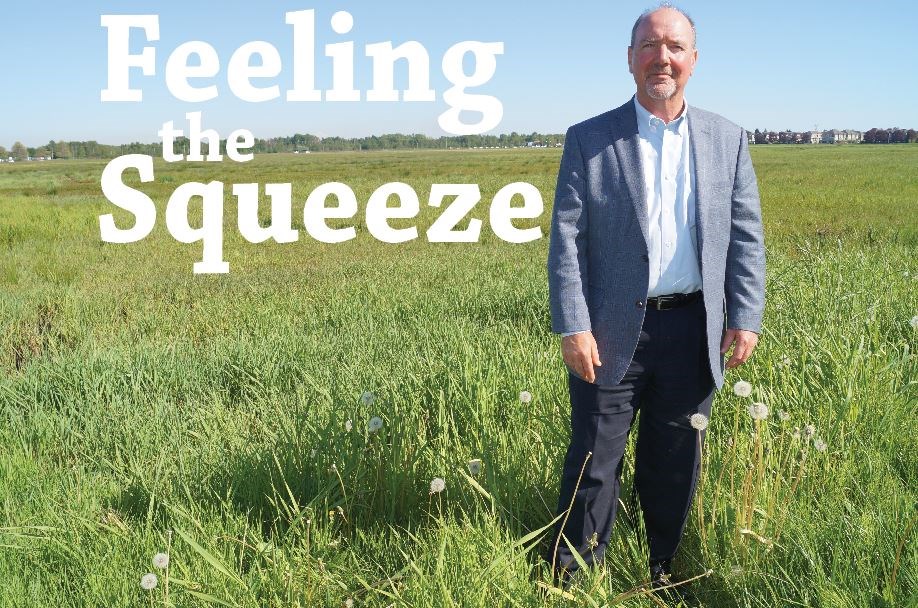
x=630, y=50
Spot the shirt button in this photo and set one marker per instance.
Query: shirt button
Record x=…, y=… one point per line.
x=669, y=243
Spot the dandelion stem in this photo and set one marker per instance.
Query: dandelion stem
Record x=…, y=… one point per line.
x=554, y=553
x=166, y=575
x=700, y=493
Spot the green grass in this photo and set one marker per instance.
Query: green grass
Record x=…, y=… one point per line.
x=137, y=399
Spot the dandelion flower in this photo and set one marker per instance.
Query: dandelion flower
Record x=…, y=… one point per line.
x=914, y=322
x=348, y=425
x=437, y=485
x=809, y=430
x=698, y=421
x=526, y=396
x=374, y=424
x=149, y=581
x=367, y=398
x=475, y=466
x=820, y=445
x=758, y=411
x=161, y=561
x=742, y=389
x=784, y=416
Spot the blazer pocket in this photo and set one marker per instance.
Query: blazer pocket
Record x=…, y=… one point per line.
x=597, y=297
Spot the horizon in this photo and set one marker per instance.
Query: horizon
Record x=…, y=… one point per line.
x=553, y=72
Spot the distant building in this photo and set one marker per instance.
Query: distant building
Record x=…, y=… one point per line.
x=812, y=137
x=835, y=136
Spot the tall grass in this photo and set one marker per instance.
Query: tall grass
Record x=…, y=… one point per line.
x=138, y=399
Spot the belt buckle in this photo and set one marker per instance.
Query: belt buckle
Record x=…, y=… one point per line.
x=661, y=300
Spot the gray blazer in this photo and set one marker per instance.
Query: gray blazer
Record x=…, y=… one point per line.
x=597, y=254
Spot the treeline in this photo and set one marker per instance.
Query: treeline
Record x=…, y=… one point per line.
x=296, y=143
x=873, y=136
x=890, y=136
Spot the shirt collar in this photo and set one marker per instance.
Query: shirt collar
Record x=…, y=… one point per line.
x=646, y=120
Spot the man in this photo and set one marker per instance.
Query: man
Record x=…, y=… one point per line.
x=656, y=269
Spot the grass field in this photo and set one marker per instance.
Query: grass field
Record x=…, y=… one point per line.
x=223, y=419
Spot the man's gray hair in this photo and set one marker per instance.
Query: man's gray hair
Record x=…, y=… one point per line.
x=663, y=5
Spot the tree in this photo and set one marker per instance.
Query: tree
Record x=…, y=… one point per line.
x=3, y=153
x=61, y=150
x=19, y=151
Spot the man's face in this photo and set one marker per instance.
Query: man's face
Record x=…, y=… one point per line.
x=663, y=56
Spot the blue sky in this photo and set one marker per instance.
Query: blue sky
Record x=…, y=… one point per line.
x=776, y=65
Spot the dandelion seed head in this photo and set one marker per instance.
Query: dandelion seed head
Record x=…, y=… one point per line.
x=437, y=485
x=374, y=424
x=161, y=561
x=593, y=541
x=914, y=322
x=758, y=411
x=348, y=603
x=820, y=445
x=367, y=398
x=475, y=466
x=333, y=468
x=698, y=421
x=809, y=430
x=148, y=581
x=742, y=389
x=525, y=396
x=784, y=416
x=796, y=433
x=785, y=361
x=348, y=425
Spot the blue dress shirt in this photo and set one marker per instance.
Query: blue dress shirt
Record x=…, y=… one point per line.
x=669, y=184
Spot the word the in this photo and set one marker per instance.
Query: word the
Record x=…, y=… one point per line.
x=315, y=212
x=241, y=69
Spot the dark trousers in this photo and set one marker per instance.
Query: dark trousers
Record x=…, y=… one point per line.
x=669, y=379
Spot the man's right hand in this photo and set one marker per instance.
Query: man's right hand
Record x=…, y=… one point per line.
x=580, y=354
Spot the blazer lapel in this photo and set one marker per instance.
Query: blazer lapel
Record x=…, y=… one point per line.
x=702, y=153
x=627, y=150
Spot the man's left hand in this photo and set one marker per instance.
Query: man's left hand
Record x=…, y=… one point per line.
x=743, y=341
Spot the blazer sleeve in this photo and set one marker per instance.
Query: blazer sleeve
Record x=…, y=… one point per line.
x=744, y=287
x=567, y=248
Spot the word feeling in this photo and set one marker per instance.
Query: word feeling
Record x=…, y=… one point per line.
x=241, y=70
x=315, y=212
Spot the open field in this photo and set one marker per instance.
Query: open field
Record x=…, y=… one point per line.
x=138, y=399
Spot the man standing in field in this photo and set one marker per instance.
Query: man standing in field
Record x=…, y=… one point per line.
x=656, y=269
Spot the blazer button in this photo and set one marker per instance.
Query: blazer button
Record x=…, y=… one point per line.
x=640, y=304
x=645, y=257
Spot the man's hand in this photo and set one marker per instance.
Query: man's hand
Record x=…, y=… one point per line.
x=580, y=354
x=743, y=342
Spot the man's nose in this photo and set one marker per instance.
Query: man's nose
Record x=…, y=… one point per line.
x=663, y=54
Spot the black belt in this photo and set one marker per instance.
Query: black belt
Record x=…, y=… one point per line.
x=674, y=300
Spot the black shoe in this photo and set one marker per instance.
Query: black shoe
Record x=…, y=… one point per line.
x=661, y=574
